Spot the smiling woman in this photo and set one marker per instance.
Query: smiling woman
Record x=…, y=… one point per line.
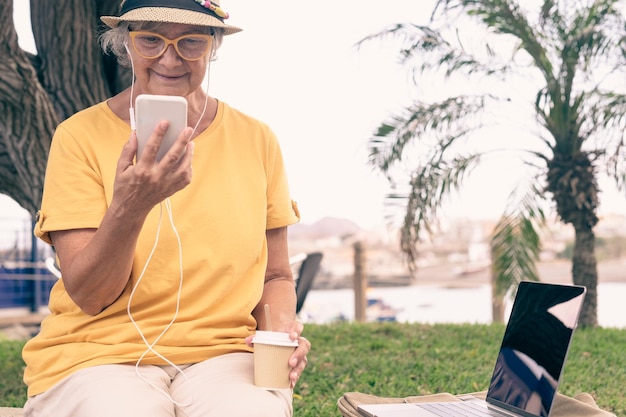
x=166, y=263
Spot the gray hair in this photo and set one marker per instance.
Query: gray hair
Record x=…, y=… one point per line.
x=115, y=39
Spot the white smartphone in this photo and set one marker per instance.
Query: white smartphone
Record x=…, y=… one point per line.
x=150, y=109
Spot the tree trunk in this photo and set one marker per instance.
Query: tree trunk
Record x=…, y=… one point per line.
x=27, y=122
x=572, y=180
x=585, y=272
x=71, y=58
x=68, y=74
x=497, y=305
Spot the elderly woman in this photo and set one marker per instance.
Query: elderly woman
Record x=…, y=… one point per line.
x=165, y=274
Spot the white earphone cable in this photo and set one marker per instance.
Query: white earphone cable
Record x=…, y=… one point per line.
x=150, y=346
x=131, y=107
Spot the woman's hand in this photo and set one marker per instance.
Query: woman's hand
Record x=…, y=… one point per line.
x=298, y=360
x=147, y=182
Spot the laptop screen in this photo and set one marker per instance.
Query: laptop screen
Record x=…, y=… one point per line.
x=534, y=347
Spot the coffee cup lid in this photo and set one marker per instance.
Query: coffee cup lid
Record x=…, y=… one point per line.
x=273, y=338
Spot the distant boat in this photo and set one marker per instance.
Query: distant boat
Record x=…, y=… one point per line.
x=378, y=310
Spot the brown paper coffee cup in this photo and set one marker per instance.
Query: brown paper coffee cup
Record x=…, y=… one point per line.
x=272, y=351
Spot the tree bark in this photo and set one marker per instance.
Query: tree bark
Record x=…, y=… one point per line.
x=27, y=122
x=497, y=305
x=68, y=74
x=70, y=58
x=585, y=272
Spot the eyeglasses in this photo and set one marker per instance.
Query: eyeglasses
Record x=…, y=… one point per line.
x=152, y=45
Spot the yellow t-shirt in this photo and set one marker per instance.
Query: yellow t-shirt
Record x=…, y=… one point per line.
x=239, y=189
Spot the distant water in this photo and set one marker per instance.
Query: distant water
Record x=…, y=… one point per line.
x=432, y=304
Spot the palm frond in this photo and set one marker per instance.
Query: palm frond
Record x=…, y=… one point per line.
x=428, y=46
x=505, y=17
x=453, y=118
x=515, y=242
x=429, y=187
x=608, y=110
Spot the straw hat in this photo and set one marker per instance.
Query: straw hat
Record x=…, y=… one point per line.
x=186, y=12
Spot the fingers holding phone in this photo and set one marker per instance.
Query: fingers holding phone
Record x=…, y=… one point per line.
x=162, y=151
x=160, y=148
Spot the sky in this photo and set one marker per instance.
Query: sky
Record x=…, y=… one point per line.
x=295, y=66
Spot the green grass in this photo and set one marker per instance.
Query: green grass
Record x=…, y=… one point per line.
x=12, y=389
x=399, y=360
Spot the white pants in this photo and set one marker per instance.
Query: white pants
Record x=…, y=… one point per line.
x=218, y=387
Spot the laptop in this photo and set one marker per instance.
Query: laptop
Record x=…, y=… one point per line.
x=529, y=364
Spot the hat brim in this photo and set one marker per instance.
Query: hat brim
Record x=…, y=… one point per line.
x=169, y=15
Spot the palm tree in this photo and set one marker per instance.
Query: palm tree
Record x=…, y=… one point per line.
x=570, y=56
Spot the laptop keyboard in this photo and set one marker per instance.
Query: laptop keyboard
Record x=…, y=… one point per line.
x=461, y=409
